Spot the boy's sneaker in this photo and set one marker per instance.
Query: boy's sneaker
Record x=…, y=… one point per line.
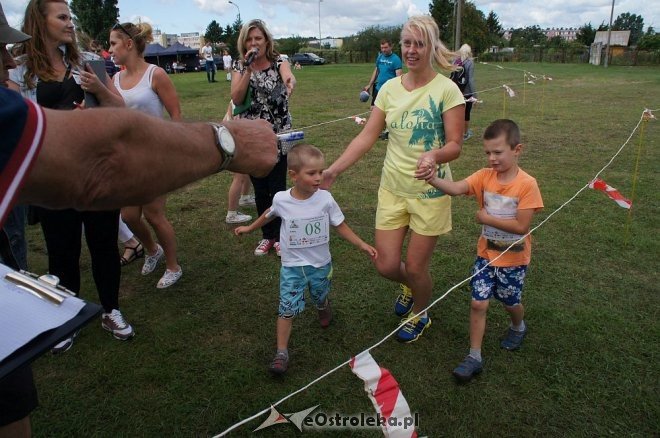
x=247, y=201
x=264, y=246
x=404, y=301
x=237, y=217
x=169, y=278
x=384, y=135
x=467, y=135
x=278, y=249
x=114, y=323
x=64, y=345
x=151, y=261
x=467, y=369
x=413, y=329
x=279, y=365
x=325, y=314
x=513, y=339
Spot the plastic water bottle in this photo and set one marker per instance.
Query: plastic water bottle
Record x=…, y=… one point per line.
x=287, y=139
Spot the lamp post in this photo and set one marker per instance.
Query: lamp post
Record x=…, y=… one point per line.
x=239, y=10
x=320, y=24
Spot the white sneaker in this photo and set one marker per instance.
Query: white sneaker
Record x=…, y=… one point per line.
x=114, y=323
x=169, y=278
x=151, y=261
x=247, y=201
x=237, y=218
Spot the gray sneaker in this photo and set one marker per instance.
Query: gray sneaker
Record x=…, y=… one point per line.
x=237, y=218
x=467, y=369
x=279, y=365
x=513, y=339
x=151, y=261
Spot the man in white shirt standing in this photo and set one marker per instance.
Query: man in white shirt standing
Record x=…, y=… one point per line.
x=207, y=53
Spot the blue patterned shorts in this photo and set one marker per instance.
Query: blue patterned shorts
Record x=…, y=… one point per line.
x=505, y=284
x=293, y=282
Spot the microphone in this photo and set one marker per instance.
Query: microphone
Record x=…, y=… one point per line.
x=251, y=56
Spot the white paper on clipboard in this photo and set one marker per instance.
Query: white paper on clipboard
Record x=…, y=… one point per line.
x=24, y=316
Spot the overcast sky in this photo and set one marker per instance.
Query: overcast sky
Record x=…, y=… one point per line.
x=346, y=17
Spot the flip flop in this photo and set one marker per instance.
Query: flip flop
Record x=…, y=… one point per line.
x=137, y=252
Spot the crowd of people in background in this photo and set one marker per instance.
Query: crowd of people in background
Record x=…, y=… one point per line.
x=414, y=196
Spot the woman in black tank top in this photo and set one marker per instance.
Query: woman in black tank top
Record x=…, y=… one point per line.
x=53, y=74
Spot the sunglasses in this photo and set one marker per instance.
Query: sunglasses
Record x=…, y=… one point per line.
x=118, y=26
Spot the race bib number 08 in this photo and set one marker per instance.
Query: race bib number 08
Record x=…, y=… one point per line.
x=308, y=232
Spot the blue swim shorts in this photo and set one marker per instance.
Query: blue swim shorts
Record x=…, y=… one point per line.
x=293, y=282
x=505, y=284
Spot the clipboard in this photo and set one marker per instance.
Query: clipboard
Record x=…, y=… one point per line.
x=26, y=298
x=99, y=68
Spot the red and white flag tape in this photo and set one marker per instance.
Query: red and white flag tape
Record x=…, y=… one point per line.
x=384, y=392
x=509, y=90
x=614, y=194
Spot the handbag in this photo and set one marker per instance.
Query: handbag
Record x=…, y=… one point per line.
x=247, y=103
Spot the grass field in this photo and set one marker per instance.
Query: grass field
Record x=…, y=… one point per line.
x=589, y=366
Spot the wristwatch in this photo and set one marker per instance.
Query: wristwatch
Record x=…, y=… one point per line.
x=225, y=143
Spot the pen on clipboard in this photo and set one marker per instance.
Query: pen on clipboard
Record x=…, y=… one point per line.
x=43, y=287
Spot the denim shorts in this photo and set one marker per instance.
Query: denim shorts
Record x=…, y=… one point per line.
x=503, y=283
x=293, y=282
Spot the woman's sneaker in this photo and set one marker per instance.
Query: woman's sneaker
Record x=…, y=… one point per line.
x=404, y=302
x=169, y=278
x=115, y=323
x=151, y=261
x=264, y=246
x=247, y=201
x=64, y=345
x=413, y=329
x=236, y=217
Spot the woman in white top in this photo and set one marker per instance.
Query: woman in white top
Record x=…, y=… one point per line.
x=147, y=87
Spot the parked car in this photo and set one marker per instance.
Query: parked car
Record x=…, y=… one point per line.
x=216, y=59
x=306, y=59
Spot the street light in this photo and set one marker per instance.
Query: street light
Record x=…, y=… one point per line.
x=239, y=10
x=320, y=23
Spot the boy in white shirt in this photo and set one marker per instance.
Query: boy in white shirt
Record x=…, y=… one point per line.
x=307, y=213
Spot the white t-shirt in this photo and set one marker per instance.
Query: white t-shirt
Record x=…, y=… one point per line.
x=226, y=62
x=207, y=52
x=305, y=229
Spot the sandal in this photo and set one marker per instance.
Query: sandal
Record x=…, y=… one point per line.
x=137, y=252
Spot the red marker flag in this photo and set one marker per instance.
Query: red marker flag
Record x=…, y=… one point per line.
x=599, y=184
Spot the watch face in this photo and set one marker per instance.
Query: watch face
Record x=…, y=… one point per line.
x=227, y=141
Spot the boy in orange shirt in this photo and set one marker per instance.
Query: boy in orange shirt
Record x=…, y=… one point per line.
x=508, y=197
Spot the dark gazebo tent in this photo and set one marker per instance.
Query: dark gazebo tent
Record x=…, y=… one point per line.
x=162, y=56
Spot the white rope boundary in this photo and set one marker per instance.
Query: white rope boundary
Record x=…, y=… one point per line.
x=332, y=371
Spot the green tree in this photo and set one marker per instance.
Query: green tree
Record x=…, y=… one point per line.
x=290, y=45
x=213, y=33
x=368, y=39
x=494, y=27
x=442, y=12
x=528, y=37
x=231, y=36
x=96, y=17
x=632, y=22
x=474, y=29
x=586, y=34
x=650, y=41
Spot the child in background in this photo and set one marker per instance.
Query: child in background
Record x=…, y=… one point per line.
x=508, y=198
x=306, y=214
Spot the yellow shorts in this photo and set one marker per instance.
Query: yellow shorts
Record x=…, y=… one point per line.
x=427, y=217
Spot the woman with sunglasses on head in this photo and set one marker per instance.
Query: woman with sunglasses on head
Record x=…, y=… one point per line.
x=147, y=87
x=51, y=71
x=261, y=85
x=423, y=111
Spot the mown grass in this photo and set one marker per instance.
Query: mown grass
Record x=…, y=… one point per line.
x=589, y=366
